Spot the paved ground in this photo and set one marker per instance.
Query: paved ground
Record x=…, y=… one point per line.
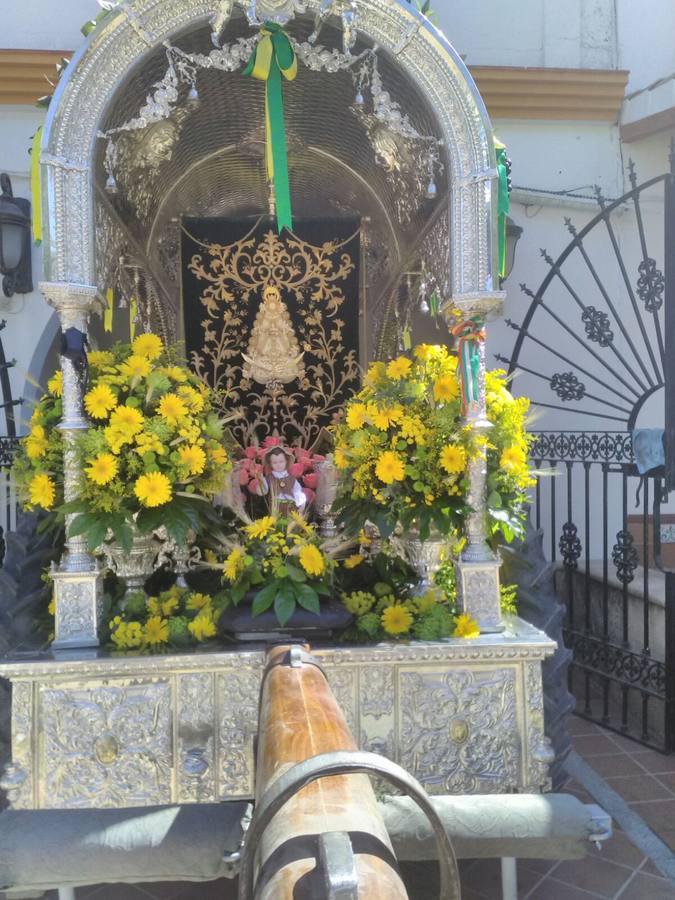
x=620, y=871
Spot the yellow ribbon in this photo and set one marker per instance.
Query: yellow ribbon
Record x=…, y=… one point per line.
x=108, y=315
x=35, y=186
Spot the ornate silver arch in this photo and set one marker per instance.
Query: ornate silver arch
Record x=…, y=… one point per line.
x=105, y=61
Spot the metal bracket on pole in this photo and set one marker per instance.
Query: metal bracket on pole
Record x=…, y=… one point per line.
x=345, y=762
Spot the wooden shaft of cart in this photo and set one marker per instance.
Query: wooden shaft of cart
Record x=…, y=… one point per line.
x=300, y=718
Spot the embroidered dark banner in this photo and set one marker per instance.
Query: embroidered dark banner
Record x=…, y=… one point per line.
x=272, y=321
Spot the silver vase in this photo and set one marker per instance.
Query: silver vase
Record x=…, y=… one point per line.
x=425, y=557
x=136, y=565
x=326, y=492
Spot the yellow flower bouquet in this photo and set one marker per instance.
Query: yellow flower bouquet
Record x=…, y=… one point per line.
x=403, y=449
x=282, y=563
x=175, y=618
x=153, y=454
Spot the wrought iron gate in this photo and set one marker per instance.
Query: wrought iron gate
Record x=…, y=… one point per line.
x=598, y=344
x=8, y=445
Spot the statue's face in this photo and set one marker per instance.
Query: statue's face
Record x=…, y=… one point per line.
x=278, y=462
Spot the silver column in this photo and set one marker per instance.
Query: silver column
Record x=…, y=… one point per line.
x=77, y=579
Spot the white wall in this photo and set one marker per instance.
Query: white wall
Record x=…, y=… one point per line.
x=43, y=24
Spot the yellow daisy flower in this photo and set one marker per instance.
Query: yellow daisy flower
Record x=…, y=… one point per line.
x=357, y=415
x=36, y=442
x=381, y=418
x=42, y=491
x=127, y=420
x=136, y=367
x=218, y=455
x=202, y=626
x=390, y=467
x=466, y=627
x=234, y=564
x=176, y=373
x=55, y=384
x=169, y=606
x=514, y=460
x=261, y=527
x=148, y=345
x=396, y=619
x=99, y=401
x=171, y=408
x=153, y=489
x=192, y=397
x=156, y=631
x=453, y=459
x=102, y=469
x=193, y=458
x=100, y=358
x=312, y=560
x=399, y=368
x=198, y=601
x=446, y=388
x=353, y=561
x=340, y=458
x=116, y=438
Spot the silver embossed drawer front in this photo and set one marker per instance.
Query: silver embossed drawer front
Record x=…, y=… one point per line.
x=105, y=746
x=459, y=729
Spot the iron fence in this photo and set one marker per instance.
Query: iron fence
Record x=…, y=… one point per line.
x=608, y=536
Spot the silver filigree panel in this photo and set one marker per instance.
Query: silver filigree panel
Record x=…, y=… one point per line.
x=109, y=746
x=196, y=723
x=459, y=731
x=237, y=698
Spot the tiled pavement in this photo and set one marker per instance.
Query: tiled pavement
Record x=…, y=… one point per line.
x=620, y=871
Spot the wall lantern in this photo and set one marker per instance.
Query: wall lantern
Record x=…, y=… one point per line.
x=513, y=233
x=15, y=242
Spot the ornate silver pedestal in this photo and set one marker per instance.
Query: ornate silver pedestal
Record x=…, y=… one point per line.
x=461, y=716
x=77, y=580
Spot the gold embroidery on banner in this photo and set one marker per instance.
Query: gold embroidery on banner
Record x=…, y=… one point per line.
x=307, y=378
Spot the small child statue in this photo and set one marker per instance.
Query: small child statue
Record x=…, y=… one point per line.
x=284, y=490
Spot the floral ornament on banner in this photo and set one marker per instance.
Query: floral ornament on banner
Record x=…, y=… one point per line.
x=404, y=448
x=153, y=454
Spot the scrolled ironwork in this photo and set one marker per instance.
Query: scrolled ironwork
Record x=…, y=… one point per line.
x=597, y=326
x=602, y=657
x=583, y=446
x=651, y=285
x=567, y=386
x=570, y=545
x=625, y=557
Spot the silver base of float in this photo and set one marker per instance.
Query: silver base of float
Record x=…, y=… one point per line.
x=92, y=729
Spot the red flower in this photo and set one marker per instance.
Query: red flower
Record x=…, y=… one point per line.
x=311, y=480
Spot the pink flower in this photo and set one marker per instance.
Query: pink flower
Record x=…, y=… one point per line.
x=243, y=476
x=254, y=487
x=296, y=469
x=309, y=494
x=311, y=480
x=251, y=452
x=271, y=442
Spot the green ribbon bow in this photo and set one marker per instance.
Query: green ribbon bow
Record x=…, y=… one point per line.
x=503, y=203
x=273, y=57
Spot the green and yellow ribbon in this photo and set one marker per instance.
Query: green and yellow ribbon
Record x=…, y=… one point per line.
x=35, y=186
x=273, y=57
x=503, y=203
x=471, y=334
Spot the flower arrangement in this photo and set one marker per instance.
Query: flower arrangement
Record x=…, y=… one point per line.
x=284, y=561
x=384, y=608
x=153, y=454
x=403, y=449
x=175, y=618
x=251, y=465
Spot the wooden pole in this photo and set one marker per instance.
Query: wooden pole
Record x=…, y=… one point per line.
x=300, y=718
